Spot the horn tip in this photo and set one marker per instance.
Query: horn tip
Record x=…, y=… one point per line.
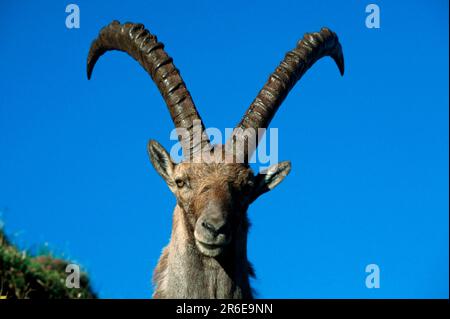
x=89, y=68
x=89, y=74
x=339, y=60
x=341, y=66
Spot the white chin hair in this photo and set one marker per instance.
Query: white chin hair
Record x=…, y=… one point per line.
x=210, y=252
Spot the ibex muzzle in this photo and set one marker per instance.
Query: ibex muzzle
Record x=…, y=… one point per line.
x=207, y=253
x=215, y=218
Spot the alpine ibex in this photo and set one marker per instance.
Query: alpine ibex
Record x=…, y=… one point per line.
x=207, y=253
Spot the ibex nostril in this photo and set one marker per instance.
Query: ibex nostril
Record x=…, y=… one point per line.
x=209, y=227
x=222, y=229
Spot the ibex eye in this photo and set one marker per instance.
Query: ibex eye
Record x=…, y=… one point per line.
x=180, y=183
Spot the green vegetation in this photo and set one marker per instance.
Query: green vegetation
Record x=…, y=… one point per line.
x=43, y=276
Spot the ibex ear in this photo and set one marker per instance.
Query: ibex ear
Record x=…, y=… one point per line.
x=161, y=161
x=273, y=176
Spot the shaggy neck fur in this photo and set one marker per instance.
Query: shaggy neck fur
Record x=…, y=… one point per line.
x=183, y=272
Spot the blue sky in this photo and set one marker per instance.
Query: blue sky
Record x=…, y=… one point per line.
x=369, y=151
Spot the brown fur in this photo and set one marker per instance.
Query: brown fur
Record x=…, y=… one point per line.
x=207, y=253
x=183, y=271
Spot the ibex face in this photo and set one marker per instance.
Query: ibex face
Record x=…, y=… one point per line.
x=215, y=196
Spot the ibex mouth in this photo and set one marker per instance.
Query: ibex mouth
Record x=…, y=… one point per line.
x=211, y=250
x=210, y=246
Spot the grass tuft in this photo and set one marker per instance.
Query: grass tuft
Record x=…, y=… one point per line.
x=42, y=276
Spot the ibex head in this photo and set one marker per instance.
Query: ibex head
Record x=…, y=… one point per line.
x=214, y=196
x=211, y=186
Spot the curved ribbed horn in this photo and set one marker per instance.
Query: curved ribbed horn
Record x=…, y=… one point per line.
x=144, y=47
x=311, y=48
